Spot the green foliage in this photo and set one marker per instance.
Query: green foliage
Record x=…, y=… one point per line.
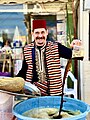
x=70, y=29
x=70, y=36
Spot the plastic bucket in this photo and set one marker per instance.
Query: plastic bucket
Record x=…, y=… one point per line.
x=51, y=101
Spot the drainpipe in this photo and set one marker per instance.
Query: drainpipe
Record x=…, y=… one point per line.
x=75, y=37
x=81, y=62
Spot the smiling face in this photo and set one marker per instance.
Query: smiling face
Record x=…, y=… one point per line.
x=40, y=36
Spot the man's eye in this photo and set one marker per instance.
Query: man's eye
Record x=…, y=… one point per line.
x=36, y=32
x=42, y=32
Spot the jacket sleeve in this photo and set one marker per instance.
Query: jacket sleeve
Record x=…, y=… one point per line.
x=64, y=52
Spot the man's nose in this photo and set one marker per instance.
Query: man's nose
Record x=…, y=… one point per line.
x=40, y=35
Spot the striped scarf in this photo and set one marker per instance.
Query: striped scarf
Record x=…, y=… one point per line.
x=53, y=84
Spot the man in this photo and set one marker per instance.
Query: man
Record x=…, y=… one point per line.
x=41, y=65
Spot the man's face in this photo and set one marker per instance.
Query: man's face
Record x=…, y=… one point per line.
x=40, y=36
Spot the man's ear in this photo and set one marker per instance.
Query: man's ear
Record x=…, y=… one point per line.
x=32, y=33
x=47, y=31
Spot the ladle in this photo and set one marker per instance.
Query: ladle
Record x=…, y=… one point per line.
x=64, y=77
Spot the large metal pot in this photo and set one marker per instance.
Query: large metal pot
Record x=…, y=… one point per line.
x=51, y=101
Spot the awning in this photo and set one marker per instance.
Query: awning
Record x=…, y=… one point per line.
x=40, y=6
x=28, y=1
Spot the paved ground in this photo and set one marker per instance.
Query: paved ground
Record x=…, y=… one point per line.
x=6, y=116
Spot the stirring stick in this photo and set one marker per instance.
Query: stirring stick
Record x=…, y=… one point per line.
x=64, y=77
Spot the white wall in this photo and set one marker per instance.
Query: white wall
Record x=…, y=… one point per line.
x=85, y=64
